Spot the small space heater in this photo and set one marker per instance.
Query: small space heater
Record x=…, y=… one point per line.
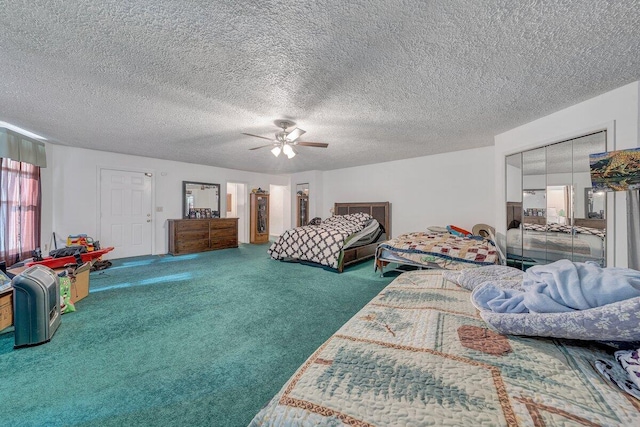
x=36, y=306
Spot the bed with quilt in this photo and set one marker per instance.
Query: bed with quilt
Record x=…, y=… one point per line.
x=552, y=242
x=350, y=236
x=431, y=249
x=420, y=354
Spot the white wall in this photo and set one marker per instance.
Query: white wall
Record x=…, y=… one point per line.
x=277, y=196
x=70, y=189
x=452, y=188
x=616, y=111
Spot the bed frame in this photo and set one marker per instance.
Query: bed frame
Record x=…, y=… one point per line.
x=381, y=211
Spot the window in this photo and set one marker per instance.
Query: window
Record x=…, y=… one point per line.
x=19, y=210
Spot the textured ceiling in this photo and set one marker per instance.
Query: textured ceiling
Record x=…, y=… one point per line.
x=378, y=80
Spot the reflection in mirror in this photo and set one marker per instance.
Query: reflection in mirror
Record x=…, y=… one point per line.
x=562, y=218
x=200, y=200
x=302, y=189
x=559, y=206
x=302, y=205
x=534, y=206
x=594, y=203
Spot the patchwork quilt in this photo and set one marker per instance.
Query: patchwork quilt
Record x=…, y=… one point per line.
x=443, y=249
x=418, y=354
x=322, y=243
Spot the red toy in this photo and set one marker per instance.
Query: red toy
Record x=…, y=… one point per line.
x=62, y=261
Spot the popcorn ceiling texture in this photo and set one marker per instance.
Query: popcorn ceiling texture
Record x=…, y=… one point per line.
x=378, y=80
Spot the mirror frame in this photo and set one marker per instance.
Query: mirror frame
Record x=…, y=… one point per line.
x=185, y=213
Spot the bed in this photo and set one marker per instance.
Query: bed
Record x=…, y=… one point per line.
x=337, y=247
x=435, y=250
x=547, y=243
x=419, y=354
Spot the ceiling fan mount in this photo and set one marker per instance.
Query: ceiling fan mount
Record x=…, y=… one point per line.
x=284, y=124
x=284, y=141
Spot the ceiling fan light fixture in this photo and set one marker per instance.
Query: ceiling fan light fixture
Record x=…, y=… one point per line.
x=276, y=151
x=288, y=150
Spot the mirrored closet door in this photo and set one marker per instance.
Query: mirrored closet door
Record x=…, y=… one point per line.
x=552, y=211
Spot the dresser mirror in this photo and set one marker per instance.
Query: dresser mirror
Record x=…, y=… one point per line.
x=552, y=212
x=200, y=200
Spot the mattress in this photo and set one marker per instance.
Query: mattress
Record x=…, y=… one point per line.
x=367, y=235
x=419, y=354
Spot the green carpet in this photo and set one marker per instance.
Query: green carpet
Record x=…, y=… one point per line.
x=203, y=339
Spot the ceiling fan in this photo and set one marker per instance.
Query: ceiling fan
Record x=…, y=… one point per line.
x=285, y=141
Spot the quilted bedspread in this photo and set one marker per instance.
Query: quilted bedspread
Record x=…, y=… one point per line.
x=322, y=243
x=418, y=354
x=444, y=249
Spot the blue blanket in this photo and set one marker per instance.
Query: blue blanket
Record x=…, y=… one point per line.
x=561, y=286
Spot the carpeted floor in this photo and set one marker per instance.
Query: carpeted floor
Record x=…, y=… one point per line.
x=204, y=339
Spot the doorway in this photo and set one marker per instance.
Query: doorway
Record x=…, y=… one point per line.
x=277, y=195
x=126, y=212
x=237, y=207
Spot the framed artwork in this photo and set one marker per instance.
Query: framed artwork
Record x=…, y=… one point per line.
x=615, y=170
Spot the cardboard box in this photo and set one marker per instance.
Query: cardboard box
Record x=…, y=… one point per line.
x=6, y=310
x=80, y=283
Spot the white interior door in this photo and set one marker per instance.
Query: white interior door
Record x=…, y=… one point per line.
x=125, y=212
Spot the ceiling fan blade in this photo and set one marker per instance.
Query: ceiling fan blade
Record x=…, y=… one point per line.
x=295, y=134
x=257, y=136
x=313, y=144
x=262, y=146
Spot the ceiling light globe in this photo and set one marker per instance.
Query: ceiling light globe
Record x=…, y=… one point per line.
x=276, y=151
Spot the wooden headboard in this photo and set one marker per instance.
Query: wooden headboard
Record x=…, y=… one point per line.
x=381, y=211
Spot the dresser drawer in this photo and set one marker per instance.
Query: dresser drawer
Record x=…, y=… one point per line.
x=189, y=246
x=227, y=242
x=192, y=235
x=192, y=225
x=224, y=232
x=219, y=224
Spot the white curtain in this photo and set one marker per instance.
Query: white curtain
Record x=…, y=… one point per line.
x=20, y=148
x=633, y=228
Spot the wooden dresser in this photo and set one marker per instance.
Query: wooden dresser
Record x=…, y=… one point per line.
x=198, y=235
